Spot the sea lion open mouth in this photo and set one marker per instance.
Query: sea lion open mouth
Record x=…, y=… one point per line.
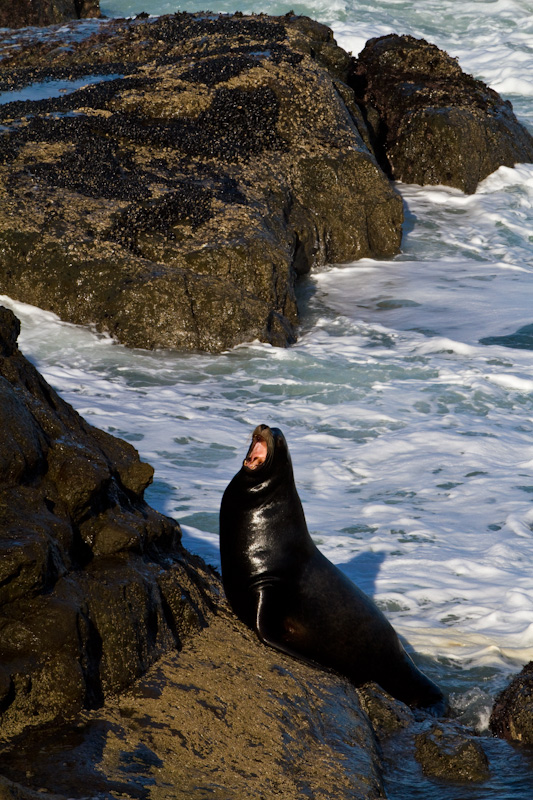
x=257, y=453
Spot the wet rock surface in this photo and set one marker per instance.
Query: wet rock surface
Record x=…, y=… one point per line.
x=386, y=714
x=418, y=749
x=20, y=13
x=94, y=584
x=226, y=717
x=512, y=714
x=198, y=166
x=430, y=122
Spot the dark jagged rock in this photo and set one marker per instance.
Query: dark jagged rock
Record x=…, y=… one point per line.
x=512, y=714
x=430, y=122
x=386, y=714
x=446, y=751
x=174, y=203
x=20, y=13
x=94, y=584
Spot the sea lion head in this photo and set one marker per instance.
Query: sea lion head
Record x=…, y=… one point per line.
x=267, y=451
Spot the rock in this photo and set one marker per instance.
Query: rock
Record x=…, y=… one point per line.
x=225, y=717
x=386, y=714
x=445, y=750
x=512, y=713
x=94, y=584
x=448, y=753
x=430, y=122
x=87, y=9
x=95, y=591
x=14, y=791
x=173, y=201
x=522, y=339
x=20, y=13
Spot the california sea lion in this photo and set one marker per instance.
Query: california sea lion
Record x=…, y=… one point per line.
x=283, y=587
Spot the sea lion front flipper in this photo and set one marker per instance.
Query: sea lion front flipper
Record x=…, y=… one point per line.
x=274, y=628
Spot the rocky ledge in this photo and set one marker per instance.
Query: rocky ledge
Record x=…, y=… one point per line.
x=226, y=717
x=199, y=164
x=193, y=166
x=430, y=122
x=95, y=588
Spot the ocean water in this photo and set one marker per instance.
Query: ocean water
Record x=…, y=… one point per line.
x=407, y=402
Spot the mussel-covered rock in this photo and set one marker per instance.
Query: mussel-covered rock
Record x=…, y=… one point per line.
x=22, y=13
x=193, y=167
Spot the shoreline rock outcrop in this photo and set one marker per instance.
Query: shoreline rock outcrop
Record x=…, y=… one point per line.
x=431, y=123
x=122, y=667
x=199, y=164
x=190, y=168
x=97, y=591
x=225, y=717
x=22, y=13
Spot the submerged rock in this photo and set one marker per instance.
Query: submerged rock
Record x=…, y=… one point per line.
x=512, y=714
x=430, y=122
x=449, y=753
x=20, y=13
x=522, y=339
x=199, y=165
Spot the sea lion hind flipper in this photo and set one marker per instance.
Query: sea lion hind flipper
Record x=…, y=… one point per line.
x=413, y=687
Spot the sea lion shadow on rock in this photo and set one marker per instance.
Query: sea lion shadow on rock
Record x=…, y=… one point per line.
x=280, y=584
